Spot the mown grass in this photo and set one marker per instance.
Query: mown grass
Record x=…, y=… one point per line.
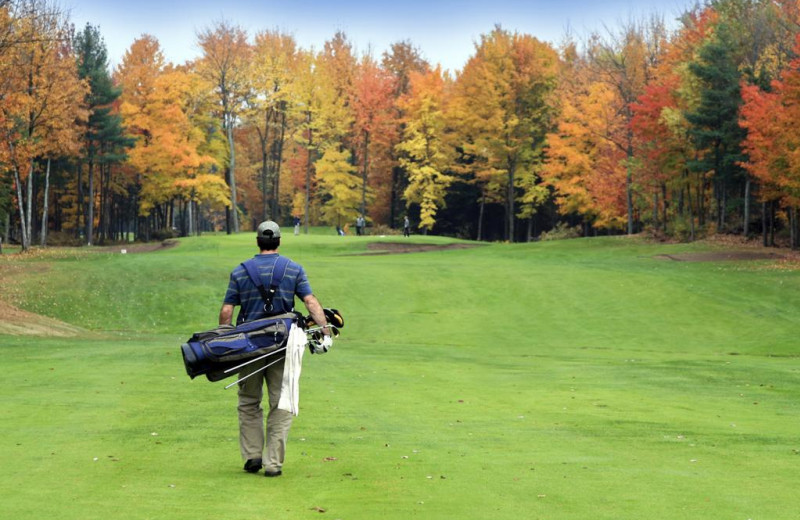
x=575, y=379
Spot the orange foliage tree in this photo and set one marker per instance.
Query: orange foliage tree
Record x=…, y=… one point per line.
x=373, y=130
x=226, y=65
x=773, y=139
x=168, y=154
x=41, y=104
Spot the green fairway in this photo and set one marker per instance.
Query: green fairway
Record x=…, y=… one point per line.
x=581, y=379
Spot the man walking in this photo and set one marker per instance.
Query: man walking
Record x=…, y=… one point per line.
x=243, y=292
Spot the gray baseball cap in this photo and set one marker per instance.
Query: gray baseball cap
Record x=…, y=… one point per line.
x=268, y=229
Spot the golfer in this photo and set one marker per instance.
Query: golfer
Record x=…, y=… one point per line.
x=243, y=292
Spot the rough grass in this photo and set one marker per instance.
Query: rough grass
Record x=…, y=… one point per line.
x=573, y=379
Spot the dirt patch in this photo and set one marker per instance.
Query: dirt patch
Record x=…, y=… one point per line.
x=723, y=256
x=17, y=322
x=396, y=248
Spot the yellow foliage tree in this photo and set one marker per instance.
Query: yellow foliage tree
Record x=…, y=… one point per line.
x=423, y=151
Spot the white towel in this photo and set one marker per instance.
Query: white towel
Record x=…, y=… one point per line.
x=290, y=388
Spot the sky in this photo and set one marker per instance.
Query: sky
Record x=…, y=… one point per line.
x=444, y=31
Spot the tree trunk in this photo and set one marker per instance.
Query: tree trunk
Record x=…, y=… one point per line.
x=480, y=216
x=700, y=195
x=105, y=208
x=510, y=195
x=6, y=226
x=764, y=224
x=79, y=212
x=263, y=138
x=691, y=212
x=664, y=204
x=232, y=177
x=393, y=199
x=43, y=237
x=629, y=182
x=364, y=175
x=308, y=174
x=90, y=207
x=190, y=216
x=655, y=209
x=277, y=191
x=21, y=205
x=772, y=223
x=28, y=216
x=746, y=224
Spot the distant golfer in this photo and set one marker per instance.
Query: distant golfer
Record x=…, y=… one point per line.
x=242, y=292
x=406, y=227
x=360, y=223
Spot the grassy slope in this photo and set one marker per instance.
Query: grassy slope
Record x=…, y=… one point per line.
x=578, y=379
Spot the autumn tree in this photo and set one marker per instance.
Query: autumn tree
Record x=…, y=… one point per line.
x=502, y=97
x=204, y=189
x=424, y=152
x=225, y=64
x=773, y=140
x=305, y=108
x=373, y=129
x=401, y=61
x=622, y=62
x=663, y=145
x=274, y=71
x=41, y=101
x=169, y=149
x=339, y=185
x=586, y=170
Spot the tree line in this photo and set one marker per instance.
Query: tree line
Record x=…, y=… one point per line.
x=682, y=132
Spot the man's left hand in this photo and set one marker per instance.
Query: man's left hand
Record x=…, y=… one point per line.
x=321, y=347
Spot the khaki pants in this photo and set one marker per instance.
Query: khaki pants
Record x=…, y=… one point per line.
x=251, y=415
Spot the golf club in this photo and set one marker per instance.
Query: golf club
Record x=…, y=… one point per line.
x=254, y=372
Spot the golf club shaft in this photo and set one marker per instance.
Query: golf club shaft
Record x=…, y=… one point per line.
x=254, y=372
x=329, y=326
x=237, y=367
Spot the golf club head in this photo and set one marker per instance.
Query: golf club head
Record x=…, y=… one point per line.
x=334, y=317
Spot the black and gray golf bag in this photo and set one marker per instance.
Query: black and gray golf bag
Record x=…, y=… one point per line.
x=215, y=353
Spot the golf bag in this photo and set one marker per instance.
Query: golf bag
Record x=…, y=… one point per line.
x=212, y=353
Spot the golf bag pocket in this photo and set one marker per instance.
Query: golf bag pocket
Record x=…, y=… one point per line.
x=213, y=353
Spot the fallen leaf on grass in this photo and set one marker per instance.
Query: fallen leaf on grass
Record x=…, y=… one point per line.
x=318, y=509
x=329, y=459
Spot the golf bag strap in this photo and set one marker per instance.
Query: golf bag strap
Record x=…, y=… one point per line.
x=278, y=272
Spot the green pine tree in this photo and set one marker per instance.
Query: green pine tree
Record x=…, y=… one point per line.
x=104, y=139
x=715, y=128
